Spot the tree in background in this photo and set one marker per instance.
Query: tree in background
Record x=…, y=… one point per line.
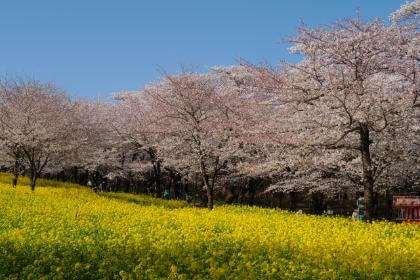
x=407, y=13
x=36, y=123
x=132, y=120
x=347, y=99
x=199, y=125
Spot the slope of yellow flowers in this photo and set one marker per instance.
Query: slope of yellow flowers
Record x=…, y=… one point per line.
x=65, y=231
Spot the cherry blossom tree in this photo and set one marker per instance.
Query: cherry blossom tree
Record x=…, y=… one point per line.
x=12, y=155
x=348, y=101
x=132, y=121
x=261, y=157
x=409, y=11
x=37, y=125
x=101, y=151
x=198, y=123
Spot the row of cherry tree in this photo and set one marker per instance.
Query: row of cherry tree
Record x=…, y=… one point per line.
x=342, y=118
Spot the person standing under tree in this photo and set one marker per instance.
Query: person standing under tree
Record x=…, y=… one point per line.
x=166, y=194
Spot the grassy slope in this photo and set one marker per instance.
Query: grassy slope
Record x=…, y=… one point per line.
x=67, y=231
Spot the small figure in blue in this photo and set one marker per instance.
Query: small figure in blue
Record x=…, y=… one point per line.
x=361, y=208
x=166, y=194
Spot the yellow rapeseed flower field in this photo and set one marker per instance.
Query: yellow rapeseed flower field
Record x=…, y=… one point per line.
x=64, y=231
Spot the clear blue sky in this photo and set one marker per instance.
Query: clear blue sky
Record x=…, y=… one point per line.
x=92, y=48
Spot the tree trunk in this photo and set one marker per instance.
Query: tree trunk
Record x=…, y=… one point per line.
x=388, y=198
x=33, y=182
x=209, y=191
x=15, y=179
x=209, y=196
x=293, y=201
x=157, y=177
x=252, y=188
x=227, y=191
x=174, y=184
x=240, y=195
x=317, y=203
x=16, y=170
x=367, y=171
x=206, y=181
x=33, y=178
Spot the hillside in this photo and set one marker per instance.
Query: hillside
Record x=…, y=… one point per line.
x=66, y=231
